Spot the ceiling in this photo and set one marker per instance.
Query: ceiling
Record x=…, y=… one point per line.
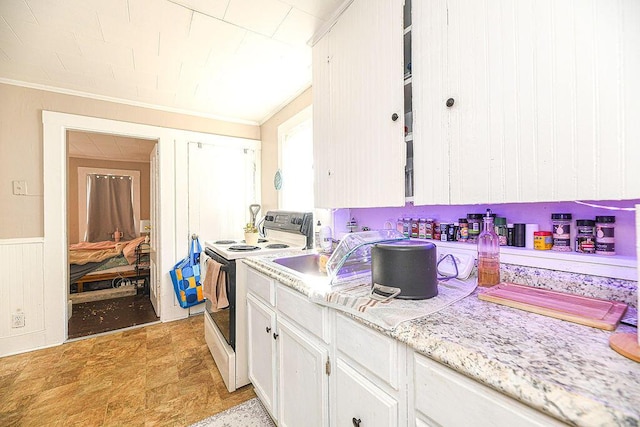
x=108, y=147
x=239, y=60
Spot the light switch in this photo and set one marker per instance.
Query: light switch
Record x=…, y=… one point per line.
x=20, y=188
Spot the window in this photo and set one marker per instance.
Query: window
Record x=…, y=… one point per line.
x=295, y=138
x=110, y=208
x=84, y=190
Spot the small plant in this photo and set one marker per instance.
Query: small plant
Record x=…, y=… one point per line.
x=250, y=228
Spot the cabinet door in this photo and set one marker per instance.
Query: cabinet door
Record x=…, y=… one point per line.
x=303, y=382
x=545, y=99
x=261, y=321
x=429, y=95
x=360, y=402
x=359, y=149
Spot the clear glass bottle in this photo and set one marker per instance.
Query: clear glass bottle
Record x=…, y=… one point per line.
x=488, y=253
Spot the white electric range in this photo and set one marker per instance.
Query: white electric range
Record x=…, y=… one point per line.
x=226, y=330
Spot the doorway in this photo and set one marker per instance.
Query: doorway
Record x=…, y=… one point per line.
x=115, y=174
x=55, y=248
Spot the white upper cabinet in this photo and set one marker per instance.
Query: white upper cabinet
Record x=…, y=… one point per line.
x=546, y=100
x=359, y=149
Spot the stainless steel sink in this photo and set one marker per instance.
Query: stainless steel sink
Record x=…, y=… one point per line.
x=305, y=264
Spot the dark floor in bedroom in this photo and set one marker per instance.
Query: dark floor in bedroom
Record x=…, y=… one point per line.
x=95, y=317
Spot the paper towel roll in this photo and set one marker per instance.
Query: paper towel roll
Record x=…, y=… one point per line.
x=529, y=230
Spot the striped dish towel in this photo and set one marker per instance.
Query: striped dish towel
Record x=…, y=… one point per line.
x=354, y=299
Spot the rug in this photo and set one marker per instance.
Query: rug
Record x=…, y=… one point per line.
x=248, y=414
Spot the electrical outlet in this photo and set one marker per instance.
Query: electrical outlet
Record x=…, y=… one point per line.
x=17, y=320
x=20, y=188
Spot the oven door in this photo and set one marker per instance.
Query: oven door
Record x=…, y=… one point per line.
x=225, y=319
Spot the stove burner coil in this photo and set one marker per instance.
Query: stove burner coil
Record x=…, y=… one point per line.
x=243, y=248
x=276, y=246
x=224, y=242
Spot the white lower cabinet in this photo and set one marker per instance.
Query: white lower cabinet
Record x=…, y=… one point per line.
x=359, y=402
x=312, y=366
x=369, y=377
x=287, y=361
x=443, y=397
x=261, y=323
x=303, y=384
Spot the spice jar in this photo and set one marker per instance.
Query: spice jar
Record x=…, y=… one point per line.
x=436, y=230
x=422, y=231
x=444, y=231
x=511, y=241
x=414, y=228
x=428, y=229
x=585, y=239
x=453, y=232
x=542, y=240
x=501, y=230
x=463, y=231
x=605, y=243
x=475, y=224
x=561, y=225
x=406, y=227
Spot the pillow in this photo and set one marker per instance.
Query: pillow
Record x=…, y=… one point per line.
x=129, y=250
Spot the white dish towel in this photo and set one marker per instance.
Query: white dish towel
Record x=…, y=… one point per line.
x=354, y=299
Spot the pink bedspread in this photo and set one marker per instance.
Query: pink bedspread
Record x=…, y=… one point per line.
x=84, y=252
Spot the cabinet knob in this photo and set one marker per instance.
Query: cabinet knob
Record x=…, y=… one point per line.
x=268, y=329
x=356, y=422
x=394, y=116
x=275, y=336
x=450, y=102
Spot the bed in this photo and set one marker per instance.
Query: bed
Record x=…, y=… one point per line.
x=100, y=261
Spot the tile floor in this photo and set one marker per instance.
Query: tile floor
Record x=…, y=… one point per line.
x=157, y=375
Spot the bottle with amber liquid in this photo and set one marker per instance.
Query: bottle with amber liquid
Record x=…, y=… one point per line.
x=488, y=253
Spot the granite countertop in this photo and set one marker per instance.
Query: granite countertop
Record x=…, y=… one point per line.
x=560, y=368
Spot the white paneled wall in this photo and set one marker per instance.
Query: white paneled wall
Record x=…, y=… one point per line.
x=21, y=287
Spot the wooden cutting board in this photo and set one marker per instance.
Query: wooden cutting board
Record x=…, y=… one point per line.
x=587, y=311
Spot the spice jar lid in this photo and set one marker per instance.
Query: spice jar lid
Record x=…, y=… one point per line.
x=606, y=218
x=560, y=216
x=542, y=233
x=463, y=221
x=475, y=216
x=585, y=222
x=500, y=221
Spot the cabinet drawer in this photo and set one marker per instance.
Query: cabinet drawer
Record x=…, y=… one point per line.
x=298, y=308
x=261, y=286
x=448, y=398
x=377, y=353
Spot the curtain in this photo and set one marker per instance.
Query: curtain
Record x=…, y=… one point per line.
x=109, y=207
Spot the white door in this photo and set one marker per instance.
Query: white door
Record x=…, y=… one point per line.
x=154, y=283
x=222, y=185
x=303, y=384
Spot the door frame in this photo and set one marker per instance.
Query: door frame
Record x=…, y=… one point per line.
x=55, y=259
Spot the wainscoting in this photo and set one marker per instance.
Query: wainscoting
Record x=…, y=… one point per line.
x=22, y=292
